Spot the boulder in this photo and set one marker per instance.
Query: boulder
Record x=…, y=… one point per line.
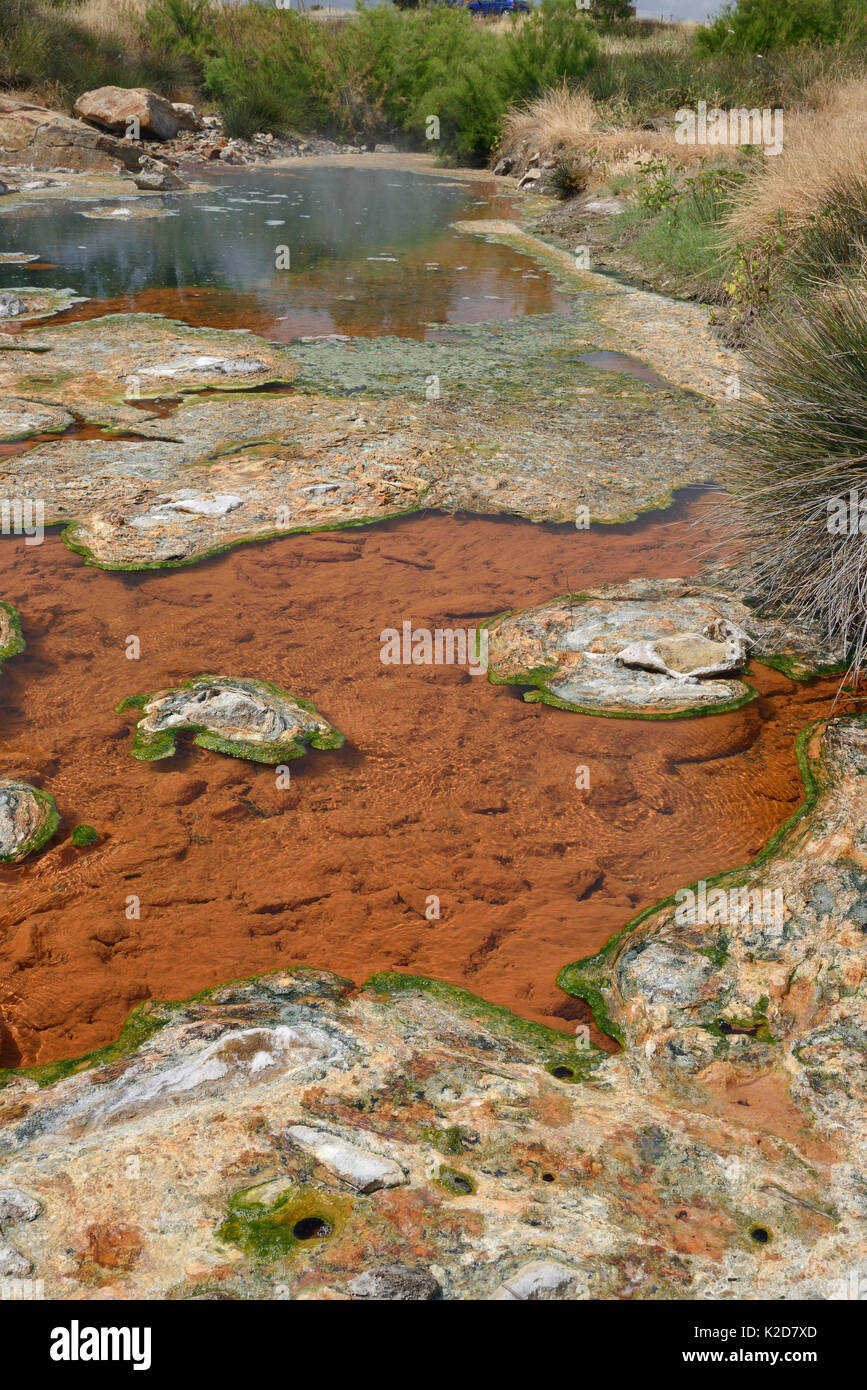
x=16, y=1205
x=114, y=108
x=188, y=116
x=10, y=305
x=42, y=139
x=540, y=1281
x=156, y=177
x=13, y=1265
x=504, y=165
x=531, y=176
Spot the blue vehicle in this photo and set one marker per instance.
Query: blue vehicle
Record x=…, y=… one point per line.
x=498, y=7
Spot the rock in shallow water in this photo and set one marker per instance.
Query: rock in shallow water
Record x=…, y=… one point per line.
x=243, y=718
x=28, y=818
x=645, y=648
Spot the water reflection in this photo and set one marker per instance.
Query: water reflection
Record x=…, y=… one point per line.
x=370, y=251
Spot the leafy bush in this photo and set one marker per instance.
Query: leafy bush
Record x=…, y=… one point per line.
x=553, y=43
x=757, y=26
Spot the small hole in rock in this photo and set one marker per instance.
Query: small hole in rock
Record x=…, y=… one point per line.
x=563, y=1073
x=547, y=1177
x=759, y=1234
x=310, y=1226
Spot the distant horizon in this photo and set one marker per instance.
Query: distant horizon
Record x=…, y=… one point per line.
x=695, y=10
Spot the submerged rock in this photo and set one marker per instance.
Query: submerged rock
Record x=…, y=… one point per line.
x=243, y=718
x=28, y=819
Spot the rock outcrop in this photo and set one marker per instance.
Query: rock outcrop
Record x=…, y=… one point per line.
x=243, y=718
x=38, y=138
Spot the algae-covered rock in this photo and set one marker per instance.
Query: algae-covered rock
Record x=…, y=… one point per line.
x=11, y=638
x=29, y=302
x=242, y=718
x=20, y=418
x=28, y=819
x=645, y=649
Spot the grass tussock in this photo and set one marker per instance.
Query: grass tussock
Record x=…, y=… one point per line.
x=825, y=150
x=801, y=448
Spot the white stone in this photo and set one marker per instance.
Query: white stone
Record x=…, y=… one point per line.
x=542, y=1280
x=13, y=1265
x=363, y=1170
x=16, y=1205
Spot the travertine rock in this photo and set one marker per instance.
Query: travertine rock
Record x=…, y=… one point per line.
x=28, y=818
x=645, y=648
x=363, y=1170
x=244, y=718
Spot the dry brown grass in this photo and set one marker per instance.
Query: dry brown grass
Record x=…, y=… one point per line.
x=567, y=121
x=824, y=149
x=117, y=19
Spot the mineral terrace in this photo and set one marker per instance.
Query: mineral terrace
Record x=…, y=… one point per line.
x=298, y=1137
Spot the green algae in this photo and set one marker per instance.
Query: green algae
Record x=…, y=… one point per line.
x=452, y=1181
x=548, y=1046
x=83, y=835
x=274, y=1230
x=15, y=641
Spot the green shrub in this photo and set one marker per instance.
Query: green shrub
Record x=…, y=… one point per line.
x=554, y=42
x=757, y=26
